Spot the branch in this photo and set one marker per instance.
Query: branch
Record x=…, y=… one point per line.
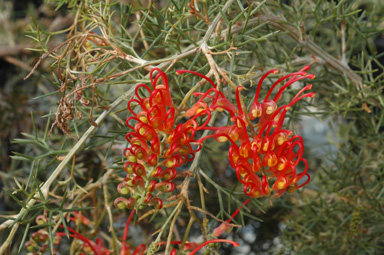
x=13, y=50
x=311, y=46
x=45, y=188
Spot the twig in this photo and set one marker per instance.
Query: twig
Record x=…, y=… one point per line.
x=214, y=217
x=110, y=216
x=169, y=239
x=156, y=210
x=152, y=248
x=196, y=12
x=212, y=63
x=145, y=43
x=45, y=55
x=343, y=45
x=13, y=50
x=163, y=62
x=311, y=46
x=212, y=27
x=60, y=168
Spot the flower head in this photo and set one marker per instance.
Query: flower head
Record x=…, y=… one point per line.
x=267, y=161
x=158, y=145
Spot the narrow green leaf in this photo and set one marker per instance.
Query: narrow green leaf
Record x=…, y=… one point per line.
x=22, y=204
x=221, y=12
x=64, y=223
x=24, y=237
x=153, y=44
x=78, y=209
x=50, y=232
x=46, y=95
x=220, y=203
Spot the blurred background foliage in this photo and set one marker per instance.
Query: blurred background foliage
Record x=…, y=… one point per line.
x=339, y=212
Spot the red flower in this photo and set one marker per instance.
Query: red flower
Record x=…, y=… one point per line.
x=98, y=248
x=157, y=146
x=88, y=245
x=273, y=154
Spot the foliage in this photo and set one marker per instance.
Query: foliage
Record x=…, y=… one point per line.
x=64, y=177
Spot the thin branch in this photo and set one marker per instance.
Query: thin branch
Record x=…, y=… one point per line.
x=14, y=50
x=164, y=62
x=175, y=217
x=311, y=46
x=45, y=188
x=214, y=217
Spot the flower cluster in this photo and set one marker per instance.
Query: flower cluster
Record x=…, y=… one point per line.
x=158, y=145
x=39, y=240
x=97, y=248
x=264, y=155
x=267, y=161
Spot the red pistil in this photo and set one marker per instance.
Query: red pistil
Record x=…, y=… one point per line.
x=286, y=85
x=137, y=90
x=97, y=248
x=124, y=249
x=274, y=71
x=214, y=241
x=197, y=74
x=136, y=101
x=139, y=250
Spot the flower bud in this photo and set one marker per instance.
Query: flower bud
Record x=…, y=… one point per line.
x=56, y=239
x=157, y=203
x=138, y=181
x=139, y=169
x=128, y=167
x=165, y=186
x=152, y=160
x=152, y=186
x=121, y=202
x=40, y=236
x=148, y=198
x=168, y=174
x=41, y=219
x=157, y=171
x=30, y=246
x=269, y=107
x=123, y=189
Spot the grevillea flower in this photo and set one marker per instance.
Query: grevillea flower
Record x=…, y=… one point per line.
x=97, y=247
x=267, y=161
x=158, y=145
x=88, y=245
x=38, y=242
x=195, y=247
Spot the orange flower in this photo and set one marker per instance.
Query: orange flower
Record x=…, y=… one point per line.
x=158, y=147
x=268, y=161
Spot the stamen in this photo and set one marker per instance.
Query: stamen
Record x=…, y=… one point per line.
x=197, y=74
